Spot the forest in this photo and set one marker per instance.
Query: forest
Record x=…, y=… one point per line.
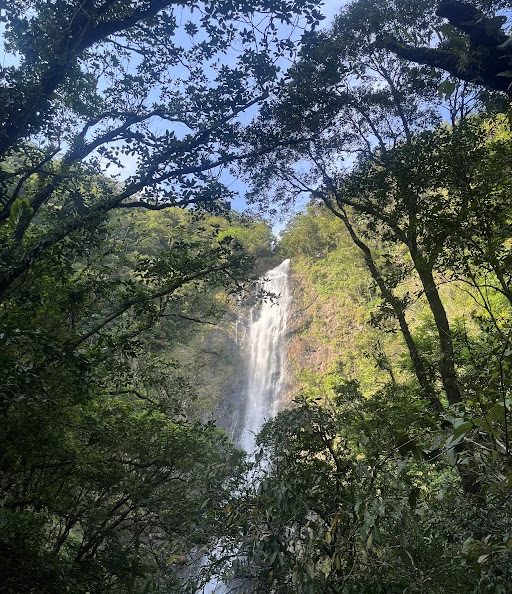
x=157, y=158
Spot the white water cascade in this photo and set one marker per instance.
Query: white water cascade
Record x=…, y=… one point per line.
x=265, y=353
x=263, y=346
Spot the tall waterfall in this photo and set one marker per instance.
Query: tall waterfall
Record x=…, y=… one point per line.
x=263, y=345
x=264, y=348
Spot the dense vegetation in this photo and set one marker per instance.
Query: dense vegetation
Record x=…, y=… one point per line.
x=122, y=126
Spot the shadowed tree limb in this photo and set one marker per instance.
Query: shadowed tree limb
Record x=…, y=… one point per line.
x=488, y=61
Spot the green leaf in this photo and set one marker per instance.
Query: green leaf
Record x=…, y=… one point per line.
x=310, y=568
x=369, y=541
x=462, y=428
x=496, y=412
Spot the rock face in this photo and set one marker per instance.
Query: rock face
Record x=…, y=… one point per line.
x=307, y=351
x=225, y=369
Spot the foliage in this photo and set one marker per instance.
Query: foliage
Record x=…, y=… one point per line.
x=153, y=93
x=109, y=478
x=391, y=469
x=351, y=504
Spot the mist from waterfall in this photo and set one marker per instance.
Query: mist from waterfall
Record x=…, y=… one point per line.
x=263, y=344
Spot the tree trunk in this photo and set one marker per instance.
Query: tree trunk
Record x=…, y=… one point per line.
x=468, y=475
x=447, y=360
x=398, y=310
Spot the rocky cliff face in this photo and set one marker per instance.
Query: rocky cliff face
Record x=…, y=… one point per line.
x=229, y=370
x=307, y=351
x=329, y=331
x=218, y=373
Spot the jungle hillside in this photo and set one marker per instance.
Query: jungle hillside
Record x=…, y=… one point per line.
x=160, y=160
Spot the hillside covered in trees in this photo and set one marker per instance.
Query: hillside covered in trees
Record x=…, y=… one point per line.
x=148, y=148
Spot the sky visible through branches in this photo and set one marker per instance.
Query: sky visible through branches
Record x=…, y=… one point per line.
x=328, y=8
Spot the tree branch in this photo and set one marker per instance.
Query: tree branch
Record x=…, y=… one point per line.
x=126, y=305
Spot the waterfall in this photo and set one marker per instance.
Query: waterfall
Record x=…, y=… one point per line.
x=264, y=349
x=263, y=345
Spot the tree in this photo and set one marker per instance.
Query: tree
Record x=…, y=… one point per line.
x=337, y=510
x=123, y=85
